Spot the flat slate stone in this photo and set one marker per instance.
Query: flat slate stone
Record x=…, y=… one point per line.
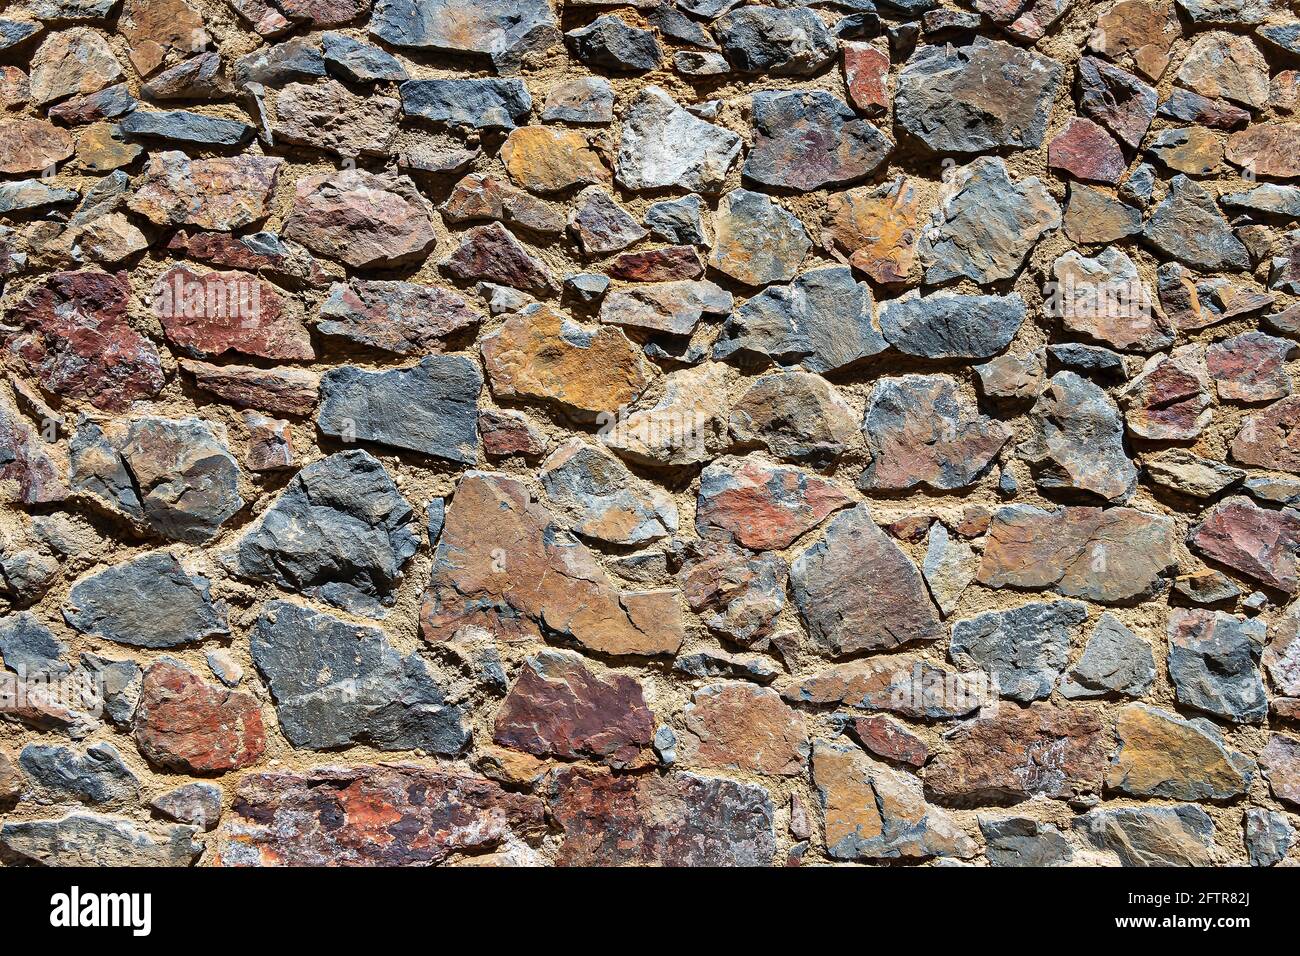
x=504, y=30
x=760, y=39
x=186, y=128
x=1024, y=649
x=805, y=140
x=478, y=104
x=951, y=326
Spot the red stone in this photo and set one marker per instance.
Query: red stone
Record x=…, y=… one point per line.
x=658, y=265
x=185, y=725
x=866, y=75
x=1271, y=437
x=506, y=433
x=1086, y=151
x=1250, y=367
x=764, y=507
x=1254, y=541
x=888, y=738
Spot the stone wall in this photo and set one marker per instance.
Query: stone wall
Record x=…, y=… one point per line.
x=487, y=431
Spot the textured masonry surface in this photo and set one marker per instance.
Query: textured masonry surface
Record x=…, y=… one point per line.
x=687, y=432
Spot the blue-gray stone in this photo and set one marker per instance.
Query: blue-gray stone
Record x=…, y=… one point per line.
x=29, y=648
x=31, y=195
x=336, y=684
x=952, y=326
x=1214, y=665
x=198, y=804
x=1284, y=36
x=88, y=839
x=677, y=221
x=1115, y=660
x=807, y=139
x=1088, y=359
x=14, y=32
x=431, y=407
x=435, y=515
x=1271, y=198
x=1023, y=841
x=119, y=683
x=1024, y=649
x=184, y=127
x=288, y=62
x=71, y=9
x=504, y=30
x=759, y=39
x=149, y=602
x=587, y=99
x=1189, y=227
x=359, y=62
x=675, y=25
x=611, y=43
x=1269, y=836
x=700, y=63
x=587, y=287
x=479, y=104
x=97, y=777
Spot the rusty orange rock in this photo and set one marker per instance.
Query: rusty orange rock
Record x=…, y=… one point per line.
x=876, y=228
x=550, y=159
x=740, y=726
x=185, y=725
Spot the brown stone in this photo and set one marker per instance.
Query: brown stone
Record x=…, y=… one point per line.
x=32, y=145
x=29, y=474
x=687, y=426
x=209, y=314
x=738, y=594
x=101, y=149
x=866, y=77
x=329, y=117
x=1162, y=755
x=1280, y=761
x=492, y=253
x=483, y=196
x=1144, y=30
x=889, y=739
x=75, y=340
x=1106, y=299
x=11, y=781
x=504, y=564
x=1221, y=64
x=153, y=28
x=220, y=194
x=1086, y=151
x=1267, y=149
x=1094, y=217
x=399, y=317
x=658, y=265
x=15, y=90
x=558, y=708
x=187, y=726
x=876, y=228
x=1250, y=367
x=550, y=159
x=506, y=433
x=1282, y=655
x=110, y=239
x=388, y=815
x=1193, y=150
x=797, y=416
x=1015, y=753
x=647, y=820
x=1254, y=541
x=290, y=391
x=764, y=507
x=270, y=443
x=543, y=355
x=361, y=219
x=1170, y=399
x=72, y=62
x=740, y=726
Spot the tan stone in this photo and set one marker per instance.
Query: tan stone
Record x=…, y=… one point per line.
x=739, y=726
x=549, y=159
x=877, y=228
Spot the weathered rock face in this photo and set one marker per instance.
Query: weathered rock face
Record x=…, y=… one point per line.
x=1181, y=835
x=504, y=30
x=806, y=141
x=764, y=507
x=1024, y=650
x=360, y=219
x=738, y=594
x=756, y=241
x=1161, y=755
x=876, y=228
x=664, y=145
x=774, y=413
x=952, y=326
x=1254, y=541
x=185, y=725
x=1214, y=664
x=87, y=839
x=602, y=499
x=739, y=726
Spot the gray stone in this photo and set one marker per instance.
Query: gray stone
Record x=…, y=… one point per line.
x=1076, y=440
x=149, y=602
x=119, y=683
x=186, y=128
x=395, y=316
x=588, y=99
x=340, y=530
x=1106, y=300
x=614, y=44
x=602, y=225
x=96, y=777
x=504, y=30
x=29, y=648
x=1268, y=834
x=985, y=224
x=798, y=416
x=1241, y=12
x=1214, y=664
x=1180, y=835
x=671, y=308
x=1189, y=227
x=664, y=145
x=759, y=39
x=700, y=63
x=677, y=221
x=1116, y=99
x=975, y=98
x=1271, y=198
x=330, y=117
x=822, y=320
x=198, y=804
x=431, y=407
x=1022, y=841
x=951, y=326
x=435, y=516
x=30, y=195
x=86, y=839
x=293, y=60
x=808, y=139
x=1088, y=359
x=478, y=104
x=757, y=241
x=1284, y=36
x=949, y=567
x=1024, y=649
x=602, y=499
x=359, y=62
x=587, y=287
x=1115, y=660
x=1207, y=587
x=1177, y=469
x=711, y=664
x=15, y=32
x=335, y=684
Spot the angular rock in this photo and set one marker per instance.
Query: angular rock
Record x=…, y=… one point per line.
x=72, y=62
x=186, y=128
x=360, y=219
x=664, y=145
x=32, y=145
x=184, y=725
x=1280, y=762
x=198, y=804
x=1170, y=399
x=1086, y=151
x=87, y=839
x=290, y=391
x=887, y=738
x=1189, y=227
x=208, y=314
x=687, y=426
x=866, y=76
x=1116, y=99
x=1214, y=664
x=328, y=117
x=738, y=726
x=479, y=196
x=949, y=567
x=587, y=99
x=31, y=475
x=155, y=28
x=876, y=228
x=507, y=433
x=1105, y=299
x=1268, y=836
x=477, y=104
x=763, y=507
x=491, y=253
x=96, y=777
x=903, y=684
x=601, y=225
x=1250, y=367
x=612, y=43
x=947, y=325
x=1181, y=835
x=1093, y=217
x=1022, y=841
x=358, y=62
x=1162, y=755
x=549, y=159
x=1266, y=150
x=756, y=241
x=738, y=594
x=1192, y=150
x=758, y=39
x=602, y=499
x=806, y=140
x=1193, y=108
x=1267, y=439
x=218, y=194
x=675, y=263
x=1221, y=64
x=1023, y=649
x=1256, y=542
x=797, y=416
x=1183, y=472
x=399, y=317
x=1115, y=660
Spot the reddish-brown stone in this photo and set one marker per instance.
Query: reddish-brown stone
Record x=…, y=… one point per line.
x=291, y=391
x=152, y=28
x=32, y=145
x=492, y=253
x=185, y=725
x=1271, y=437
x=1267, y=149
x=1170, y=399
x=866, y=76
x=1086, y=151
x=741, y=726
x=33, y=472
x=764, y=507
x=75, y=339
x=1256, y=542
x=361, y=219
x=208, y=314
x=388, y=815
x=559, y=708
x=658, y=265
x=1250, y=367
x=887, y=738
x=1280, y=761
x=506, y=433
x=219, y=193
x=738, y=594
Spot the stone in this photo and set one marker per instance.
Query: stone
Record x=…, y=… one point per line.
x=949, y=325
x=1266, y=150
x=403, y=318
x=506, y=433
x=198, y=804
x=978, y=97
x=358, y=62
x=1180, y=835
x=1022, y=841
x=1116, y=99
x=550, y=159
x=206, y=315
x=1268, y=836
x=340, y=531
x=187, y=726
x=150, y=602
x=1214, y=664
x=1265, y=438
x=319, y=13
x=1280, y=762
x=822, y=320
x=336, y=684
x=686, y=426
x=664, y=145
x=760, y=39
x=1170, y=398
x=876, y=228
x=478, y=197
x=1221, y=64
x=1076, y=440
x=1018, y=753
x=1095, y=217
x=949, y=567
x=872, y=812
x=100, y=149
x=674, y=263
x=776, y=412
x=32, y=145
x=361, y=219
x=492, y=253
x=477, y=104
x=1282, y=655
x=763, y=507
x=738, y=595
x=95, y=777
x=186, y=128
x=806, y=140
x=279, y=64
x=866, y=76
x=327, y=116
x=846, y=611
x=922, y=433
x=602, y=499
x=542, y=355
x=72, y=62
x=388, y=814
x=1112, y=556
x=506, y=31
x=175, y=476
x=14, y=33
x=1105, y=299
x=1115, y=660
x=677, y=220
x=111, y=239
x=601, y=225
x=30, y=474
x=907, y=685
x=739, y=726
x=1250, y=367
x=985, y=224
x=1258, y=543
x=1193, y=108
x=887, y=738
x=28, y=647
x=680, y=819
x=1192, y=150
x=472, y=586
x=710, y=663
x=291, y=391
x=1086, y=151
x=220, y=194
x=1023, y=649
x=155, y=28
x=1162, y=755
x=587, y=99
x=119, y=683
x=756, y=241
x=1012, y=377
x=614, y=44
x=87, y=839
x=431, y=407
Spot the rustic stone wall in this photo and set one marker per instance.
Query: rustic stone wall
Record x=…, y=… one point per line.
x=494, y=431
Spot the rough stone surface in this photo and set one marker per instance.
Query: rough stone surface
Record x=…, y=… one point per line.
x=188, y=726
